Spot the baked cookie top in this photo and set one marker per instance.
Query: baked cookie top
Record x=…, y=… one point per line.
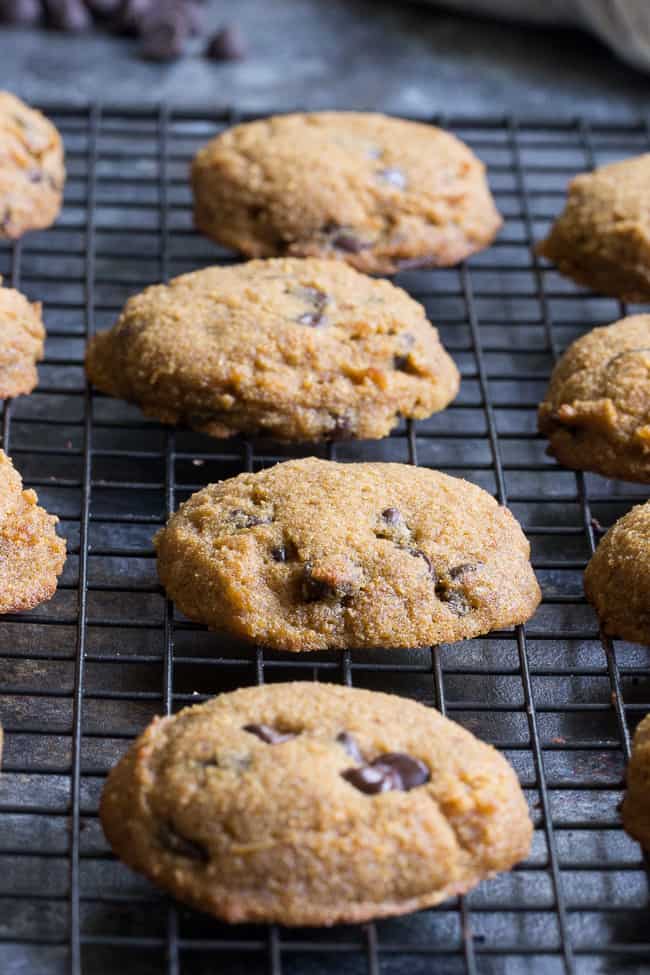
x=617, y=579
x=311, y=804
x=296, y=349
x=32, y=171
x=21, y=342
x=380, y=193
x=311, y=554
x=636, y=805
x=602, y=238
x=596, y=413
x=31, y=553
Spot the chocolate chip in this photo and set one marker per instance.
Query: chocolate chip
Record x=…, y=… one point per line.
x=342, y=429
x=350, y=745
x=243, y=519
x=460, y=570
x=164, y=32
x=279, y=553
x=395, y=177
x=389, y=772
x=346, y=241
x=228, y=44
x=178, y=844
x=401, y=362
x=131, y=14
x=319, y=300
x=313, y=590
x=68, y=15
x=418, y=553
x=392, y=515
x=456, y=601
x=23, y=12
x=268, y=734
x=34, y=175
x=104, y=8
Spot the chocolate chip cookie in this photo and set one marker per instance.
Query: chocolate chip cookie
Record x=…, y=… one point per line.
x=295, y=349
x=32, y=172
x=21, y=342
x=602, y=238
x=313, y=804
x=617, y=579
x=596, y=413
x=312, y=554
x=31, y=553
x=636, y=805
x=380, y=193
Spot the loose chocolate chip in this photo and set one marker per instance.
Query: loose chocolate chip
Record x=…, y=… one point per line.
x=180, y=845
x=228, y=44
x=23, y=12
x=418, y=553
x=268, y=734
x=68, y=15
x=243, y=519
x=395, y=177
x=392, y=515
x=350, y=745
x=388, y=772
x=131, y=13
x=164, y=33
x=104, y=8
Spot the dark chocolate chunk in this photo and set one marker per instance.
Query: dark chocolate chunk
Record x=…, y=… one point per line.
x=68, y=15
x=346, y=241
x=284, y=552
x=25, y=12
x=268, y=734
x=176, y=843
x=243, y=519
x=456, y=601
x=401, y=362
x=164, y=33
x=350, y=745
x=342, y=429
x=131, y=14
x=392, y=771
x=459, y=571
x=392, y=516
x=318, y=299
x=228, y=44
x=104, y=8
x=395, y=177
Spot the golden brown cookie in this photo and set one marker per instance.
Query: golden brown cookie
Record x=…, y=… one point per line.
x=313, y=804
x=296, y=349
x=636, y=805
x=32, y=171
x=602, y=238
x=617, y=579
x=31, y=553
x=380, y=193
x=312, y=554
x=21, y=342
x=596, y=413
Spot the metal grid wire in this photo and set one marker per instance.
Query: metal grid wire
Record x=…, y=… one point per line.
x=81, y=675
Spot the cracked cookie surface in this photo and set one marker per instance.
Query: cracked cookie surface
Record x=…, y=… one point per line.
x=253, y=828
x=617, y=578
x=311, y=554
x=294, y=349
x=380, y=193
x=636, y=805
x=596, y=412
x=31, y=553
x=602, y=238
x=32, y=171
x=21, y=342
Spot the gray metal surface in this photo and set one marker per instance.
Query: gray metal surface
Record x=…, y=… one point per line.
x=83, y=674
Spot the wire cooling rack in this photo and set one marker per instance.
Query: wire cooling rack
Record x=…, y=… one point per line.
x=83, y=674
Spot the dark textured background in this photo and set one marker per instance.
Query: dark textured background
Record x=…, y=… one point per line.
x=399, y=57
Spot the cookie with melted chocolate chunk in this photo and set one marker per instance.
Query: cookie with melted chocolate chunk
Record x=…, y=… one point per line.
x=32, y=171
x=295, y=349
x=377, y=192
x=277, y=827
x=373, y=555
x=596, y=413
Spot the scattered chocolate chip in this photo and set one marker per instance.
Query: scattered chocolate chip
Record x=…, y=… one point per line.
x=104, y=8
x=228, y=44
x=243, y=519
x=392, y=516
x=395, y=177
x=164, y=32
x=68, y=15
x=268, y=734
x=350, y=745
x=389, y=772
x=180, y=845
x=25, y=12
x=418, y=553
x=131, y=13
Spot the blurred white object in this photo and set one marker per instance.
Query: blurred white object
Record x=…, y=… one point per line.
x=624, y=25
